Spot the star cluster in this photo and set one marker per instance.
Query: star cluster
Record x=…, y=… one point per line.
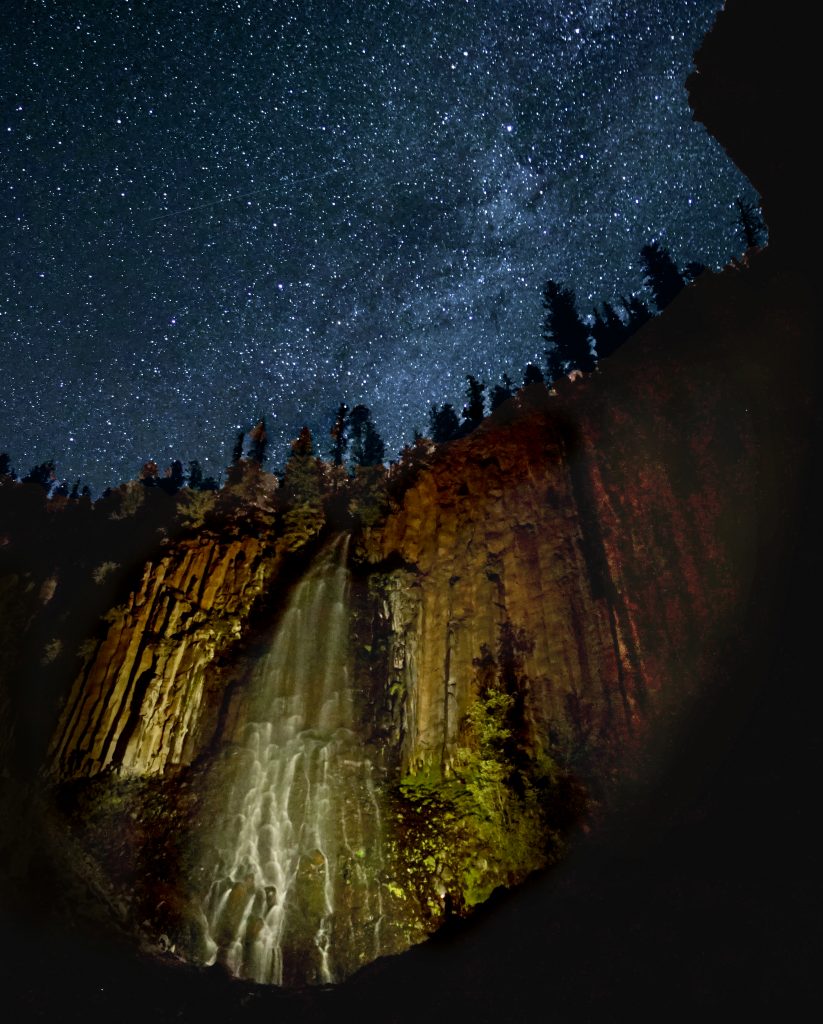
x=216, y=211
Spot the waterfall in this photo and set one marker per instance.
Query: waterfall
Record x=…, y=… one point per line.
x=294, y=888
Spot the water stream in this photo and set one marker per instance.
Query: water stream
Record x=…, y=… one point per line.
x=293, y=891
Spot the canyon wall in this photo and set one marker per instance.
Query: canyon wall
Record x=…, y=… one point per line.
x=607, y=522
x=143, y=699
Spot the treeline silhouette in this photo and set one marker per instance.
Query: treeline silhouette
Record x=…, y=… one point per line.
x=573, y=345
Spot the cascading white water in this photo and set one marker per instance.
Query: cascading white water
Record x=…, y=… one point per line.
x=295, y=893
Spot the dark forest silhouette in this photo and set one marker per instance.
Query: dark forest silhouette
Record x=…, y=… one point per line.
x=573, y=344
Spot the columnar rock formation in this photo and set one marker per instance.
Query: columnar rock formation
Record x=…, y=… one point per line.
x=599, y=522
x=139, y=702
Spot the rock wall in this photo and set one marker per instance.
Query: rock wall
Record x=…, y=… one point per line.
x=607, y=522
x=147, y=695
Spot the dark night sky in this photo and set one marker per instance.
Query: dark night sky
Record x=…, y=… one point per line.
x=216, y=210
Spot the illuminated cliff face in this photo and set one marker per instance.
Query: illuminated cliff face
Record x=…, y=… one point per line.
x=140, y=703
x=541, y=598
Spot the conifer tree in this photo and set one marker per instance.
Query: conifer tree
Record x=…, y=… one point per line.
x=563, y=328
x=195, y=475
x=661, y=274
x=173, y=479
x=555, y=367
x=339, y=436
x=302, y=477
x=367, y=448
x=751, y=224
x=474, y=410
x=44, y=475
x=237, y=451
x=609, y=331
x=637, y=312
x=373, y=448
x=303, y=489
x=443, y=423
x=533, y=375
x=258, y=442
x=501, y=392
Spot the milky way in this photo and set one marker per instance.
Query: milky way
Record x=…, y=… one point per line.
x=222, y=210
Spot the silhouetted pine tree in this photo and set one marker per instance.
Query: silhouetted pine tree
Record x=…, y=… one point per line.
x=533, y=375
x=258, y=442
x=555, y=367
x=373, y=448
x=443, y=423
x=358, y=417
x=637, y=312
x=195, y=475
x=661, y=274
x=5, y=465
x=44, y=475
x=339, y=437
x=303, y=492
x=609, y=331
x=237, y=451
x=367, y=447
x=474, y=410
x=173, y=479
x=751, y=224
x=501, y=393
x=564, y=329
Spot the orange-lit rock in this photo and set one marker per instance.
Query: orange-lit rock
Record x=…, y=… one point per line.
x=141, y=702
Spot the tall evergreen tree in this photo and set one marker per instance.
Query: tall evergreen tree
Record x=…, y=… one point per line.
x=339, y=436
x=358, y=418
x=609, y=331
x=443, y=423
x=563, y=328
x=301, y=480
x=661, y=274
x=173, y=479
x=501, y=392
x=237, y=451
x=474, y=410
x=637, y=313
x=751, y=224
x=555, y=366
x=259, y=440
x=5, y=465
x=195, y=475
x=373, y=450
x=367, y=447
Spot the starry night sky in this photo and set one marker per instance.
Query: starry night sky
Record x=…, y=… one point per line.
x=216, y=210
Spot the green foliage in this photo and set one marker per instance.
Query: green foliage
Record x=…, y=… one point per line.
x=494, y=813
x=368, y=501
x=194, y=506
x=303, y=517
